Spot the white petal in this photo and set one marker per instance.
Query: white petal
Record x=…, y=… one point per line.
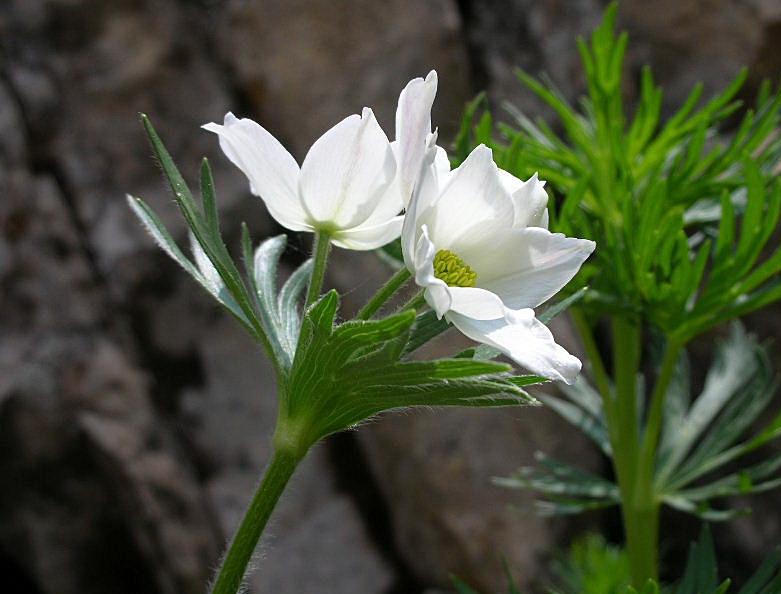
x=437, y=292
x=473, y=199
x=425, y=193
x=369, y=237
x=383, y=207
x=413, y=124
x=526, y=267
x=272, y=172
x=524, y=339
x=347, y=171
x=441, y=165
x=530, y=200
x=476, y=303
x=544, y=220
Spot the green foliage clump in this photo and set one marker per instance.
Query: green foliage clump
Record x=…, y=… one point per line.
x=593, y=566
x=683, y=214
x=661, y=199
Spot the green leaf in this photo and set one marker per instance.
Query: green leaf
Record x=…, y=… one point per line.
x=209, y=199
x=465, y=141
x=767, y=579
x=163, y=239
x=204, y=227
x=345, y=374
x=426, y=327
x=591, y=566
x=701, y=573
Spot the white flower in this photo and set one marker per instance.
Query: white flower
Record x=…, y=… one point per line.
x=353, y=182
x=476, y=239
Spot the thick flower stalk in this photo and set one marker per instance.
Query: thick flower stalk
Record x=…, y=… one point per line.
x=353, y=182
x=477, y=242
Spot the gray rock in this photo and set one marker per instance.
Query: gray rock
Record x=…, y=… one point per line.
x=82, y=91
x=694, y=41
x=684, y=43
x=316, y=535
x=328, y=551
x=100, y=500
x=305, y=65
x=536, y=36
x=435, y=469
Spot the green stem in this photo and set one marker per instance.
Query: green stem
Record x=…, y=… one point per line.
x=321, y=249
x=386, y=292
x=645, y=501
x=641, y=526
x=641, y=522
x=638, y=503
x=234, y=564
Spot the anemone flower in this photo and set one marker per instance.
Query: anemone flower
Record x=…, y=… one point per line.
x=477, y=242
x=353, y=182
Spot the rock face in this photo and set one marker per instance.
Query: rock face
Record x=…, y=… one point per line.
x=436, y=468
x=700, y=40
x=685, y=42
x=89, y=460
x=287, y=56
x=134, y=416
x=535, y=36
x=316, y=536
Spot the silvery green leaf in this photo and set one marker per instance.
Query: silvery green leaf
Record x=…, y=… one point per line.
x=264, y=270
x=567, y=489
x=288, y=303
x=203, y=272
x=585, y=396
x=734, y=365
x=592, y=426
x=204, y=226
x=561, y=306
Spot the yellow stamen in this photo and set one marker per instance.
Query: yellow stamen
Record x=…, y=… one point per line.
x=453, y=270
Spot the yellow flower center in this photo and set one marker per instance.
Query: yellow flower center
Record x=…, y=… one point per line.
x=453, y=270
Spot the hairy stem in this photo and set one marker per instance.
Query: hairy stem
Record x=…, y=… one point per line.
x=321, y=249
x=387, y=291
x=234, y=564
